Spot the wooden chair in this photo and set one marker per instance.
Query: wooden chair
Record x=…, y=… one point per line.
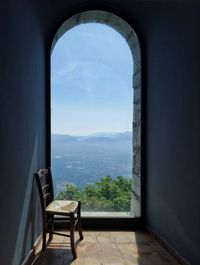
x=57, y=210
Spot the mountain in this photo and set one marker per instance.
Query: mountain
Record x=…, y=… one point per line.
x=111, y=134
x=102, y=136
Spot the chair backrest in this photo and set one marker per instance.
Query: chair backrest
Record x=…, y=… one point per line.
x=45, y=186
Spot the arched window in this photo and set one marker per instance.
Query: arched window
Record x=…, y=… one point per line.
x=96, y=114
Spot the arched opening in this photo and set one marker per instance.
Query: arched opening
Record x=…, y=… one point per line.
x=116, y=23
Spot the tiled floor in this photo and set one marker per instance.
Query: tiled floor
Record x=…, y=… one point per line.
x=108, y=248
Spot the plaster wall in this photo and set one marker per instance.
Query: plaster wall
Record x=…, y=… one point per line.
x=173, y=128
x=22, y=128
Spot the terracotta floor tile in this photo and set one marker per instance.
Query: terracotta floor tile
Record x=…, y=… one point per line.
x=108, y=248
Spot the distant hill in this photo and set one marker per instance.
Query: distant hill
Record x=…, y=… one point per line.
x=111, y=134
x=97, y=137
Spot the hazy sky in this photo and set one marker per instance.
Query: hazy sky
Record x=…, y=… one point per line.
x=91, y=81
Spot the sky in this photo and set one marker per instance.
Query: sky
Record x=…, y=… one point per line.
x=91, y=82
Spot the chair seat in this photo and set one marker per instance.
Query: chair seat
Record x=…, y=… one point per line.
x=62, y=207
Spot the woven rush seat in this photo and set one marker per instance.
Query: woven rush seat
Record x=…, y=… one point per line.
x=61, y=207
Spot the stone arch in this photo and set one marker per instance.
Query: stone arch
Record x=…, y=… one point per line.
x=131, y=38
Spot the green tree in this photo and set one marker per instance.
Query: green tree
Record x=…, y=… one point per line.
x=70, y=192
x=109, y=194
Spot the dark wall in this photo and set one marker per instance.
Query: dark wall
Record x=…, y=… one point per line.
x=22, y=123
x=173, y=128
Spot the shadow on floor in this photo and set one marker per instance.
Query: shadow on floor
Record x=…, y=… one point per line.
x=150, y=251
x=55, y=254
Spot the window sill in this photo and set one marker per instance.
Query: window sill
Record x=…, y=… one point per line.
x=107, y=214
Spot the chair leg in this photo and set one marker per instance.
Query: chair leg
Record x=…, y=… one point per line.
x=52, y=228
x=72, y=230
x=44, y=237
x=79, y=225
x=80, y=231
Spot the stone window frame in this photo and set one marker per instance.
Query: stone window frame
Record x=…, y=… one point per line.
x=122, y=27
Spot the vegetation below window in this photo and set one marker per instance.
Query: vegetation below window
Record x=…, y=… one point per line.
x=109, y=194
